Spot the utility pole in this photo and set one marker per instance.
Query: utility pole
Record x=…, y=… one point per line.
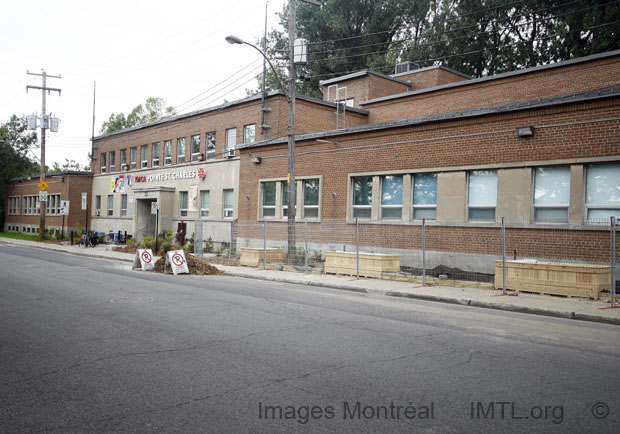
x=292, y=78
x=44, y=126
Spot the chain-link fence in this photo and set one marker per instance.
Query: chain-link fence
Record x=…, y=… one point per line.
x=548, y=258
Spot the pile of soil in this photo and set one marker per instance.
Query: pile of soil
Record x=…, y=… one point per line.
x=196, y=266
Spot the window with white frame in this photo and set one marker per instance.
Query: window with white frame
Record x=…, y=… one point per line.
x=144, y=156
x=124, y=159
x=482, y=195
x=31, y=205
x=181, y=150
x=311, y=198
x=103, y=162
x=112, y=161
x=602, y=192
x=249, y=134
x=231, y=138
x=285, y=199
x=424, y=196
x=123, y=205
x=210, y=145
x=134, y=157
x=269, y=199
x=52, y=206
x=195, y=147
x=168, y=152
x=229, y=197
x=205, y=199
x=155, y=154
x=392, y=197
x=551, y=194
x=110, y=205
x=183, y=203
x=98, y=204
x=362, y=197
x=14, y=205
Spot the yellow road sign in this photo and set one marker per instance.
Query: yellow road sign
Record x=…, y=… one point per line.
x=42, y=185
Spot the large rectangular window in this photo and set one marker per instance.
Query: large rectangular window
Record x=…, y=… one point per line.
x=231, y=138
x=284, y=199
x=168, y=152
x=210, y=145
x=97, y=205
x=124, y=165
x=183, y=203
x=144, y=156
x=269, y=199
x=551, y=194
x=103, y=162
x=362, y=197
x=602, y=192
x=112, y=161
x=52, y=206
x=425, y=196
x=195, y=147
x=110, y=205
x=181, y=150
x=155, y=154
x=14, y=205
x=392, y=197
x=31, y=205
x=482, y=194
x=229, y=198
x=134, y=157
x=205, y=199
x=123, y=205
x=311, y=198
x=249, y=134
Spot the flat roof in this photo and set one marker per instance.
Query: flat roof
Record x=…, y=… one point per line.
x=361, y=74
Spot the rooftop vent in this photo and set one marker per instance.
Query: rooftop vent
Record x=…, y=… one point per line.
x=406, y=67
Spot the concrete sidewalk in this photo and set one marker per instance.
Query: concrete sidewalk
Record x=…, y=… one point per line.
x=571, y=308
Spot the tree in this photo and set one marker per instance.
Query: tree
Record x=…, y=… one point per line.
x=15, y=143
x=68, y=165
x=153, y=110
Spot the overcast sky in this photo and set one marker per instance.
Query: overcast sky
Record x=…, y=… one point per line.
x=133, y=49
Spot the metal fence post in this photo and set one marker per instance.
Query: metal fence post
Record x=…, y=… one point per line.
x=503, y=256
x=613, y=261
x=265, y=245
x=357, y=247
x=306, y=255
x=423, y=252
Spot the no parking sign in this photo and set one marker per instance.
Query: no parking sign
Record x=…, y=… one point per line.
x=175, y=260
x=143, y=260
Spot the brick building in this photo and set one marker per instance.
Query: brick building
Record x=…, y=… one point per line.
x=539, y=147
x=23, y=206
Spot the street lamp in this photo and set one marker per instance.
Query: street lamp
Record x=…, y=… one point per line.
x=290, y=96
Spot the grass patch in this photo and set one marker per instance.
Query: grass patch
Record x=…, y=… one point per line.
x=19, y=236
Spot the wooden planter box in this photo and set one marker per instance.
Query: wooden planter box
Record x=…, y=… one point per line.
x=371, y=264
x=252, y=257
x=572, y=280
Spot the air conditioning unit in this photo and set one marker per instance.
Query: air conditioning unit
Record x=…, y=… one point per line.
x=97, y=212
x=406, y=67
x=229, y=153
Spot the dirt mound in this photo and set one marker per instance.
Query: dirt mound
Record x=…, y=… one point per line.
x=195, y=265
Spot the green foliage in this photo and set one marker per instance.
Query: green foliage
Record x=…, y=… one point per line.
x=132, y=242
x=79, y=228
x=209, y=245
x=190, y=244
x=19, y=236
x=67, y=165
x=165, y=247
x=153, y=110
x=146, y=243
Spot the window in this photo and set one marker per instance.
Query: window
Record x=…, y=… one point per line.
x=52, y=206
x=425, y=196
x=362, y=197
x=110, y=205
x=134, y=157
x=124, y=159
x=551, y=194
x=210, y=145
x=123, y=205
x=168, y=152
x=602, y=192
x=103, y=162
x=155, y=154
x=311, y=198
x=32, y=205
x=14, y=205
x=112, y=160
x=228, y=203
x=249, y=134
x=482, y=194
x=269, y=199
x=205, y=198
x=195, y=147
x=285, y=199
x=144, y=156
x=181, y=150
x=97, y=204
x=392, y=197
x=231, y=138
x=183, y=203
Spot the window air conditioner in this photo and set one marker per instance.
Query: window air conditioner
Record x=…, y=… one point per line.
x=229, y=153
x=97, y=212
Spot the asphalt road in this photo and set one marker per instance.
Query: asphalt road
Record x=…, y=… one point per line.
x=89, y=346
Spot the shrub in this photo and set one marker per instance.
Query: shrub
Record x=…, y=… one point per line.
x=165, y=247
x=209, y=245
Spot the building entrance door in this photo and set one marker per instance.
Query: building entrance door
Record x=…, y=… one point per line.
x=146, y=222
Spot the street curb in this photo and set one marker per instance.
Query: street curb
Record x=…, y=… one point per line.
x=424, y=297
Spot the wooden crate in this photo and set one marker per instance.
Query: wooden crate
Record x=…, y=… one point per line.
x=571, y=280
x=371, y=264
x=252, y=256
